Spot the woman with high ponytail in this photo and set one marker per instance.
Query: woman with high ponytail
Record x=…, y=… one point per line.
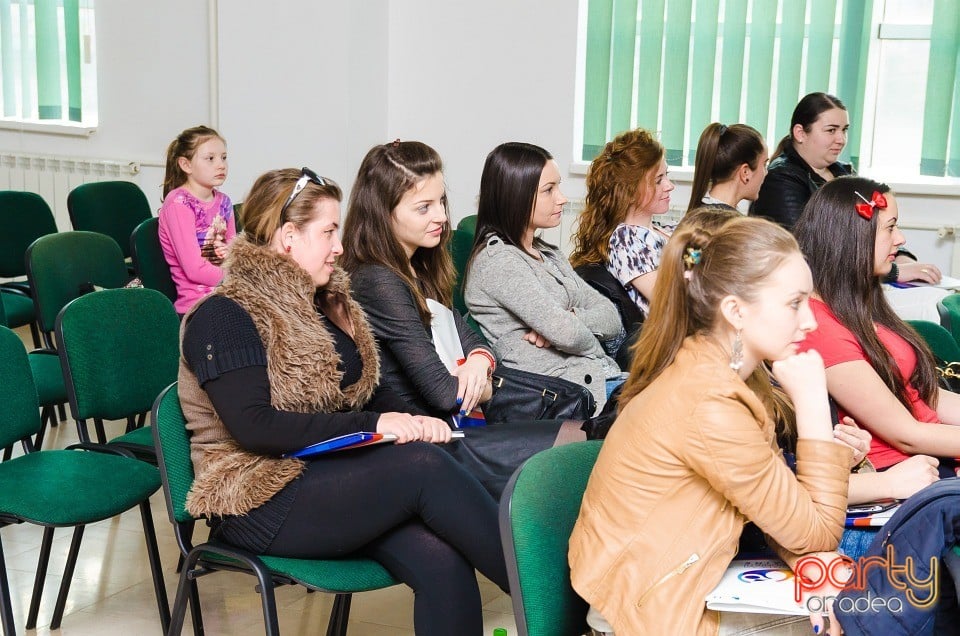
x=730, y=166
x=693, y=455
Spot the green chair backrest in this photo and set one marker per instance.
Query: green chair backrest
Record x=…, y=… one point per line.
x=59, y=265
x=148, y=259
x=20, y=415
x=468, y=224
x=938, y=339
x=113, y=208
x=537, y=512
x=172, y=441
x=949, y=308
x=461, y=242
x=24, y=217
x=118, y=348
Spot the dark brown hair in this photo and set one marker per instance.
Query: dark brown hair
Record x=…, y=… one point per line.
x=839, y=245
x=720, y=152
x=806, y=113
x=386, y=174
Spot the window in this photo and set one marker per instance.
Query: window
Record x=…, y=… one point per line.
x=47, y=63
x=676, y=65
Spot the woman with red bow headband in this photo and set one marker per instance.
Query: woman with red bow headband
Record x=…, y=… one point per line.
x=879, y=370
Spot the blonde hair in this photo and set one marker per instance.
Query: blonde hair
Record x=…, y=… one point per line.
x=262, y=208
x=734, y=260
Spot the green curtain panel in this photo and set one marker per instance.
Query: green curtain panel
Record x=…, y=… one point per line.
x=852, y=71
x=40, y=59
x=597, y=80
x=676, y=63
x=706, y=28
x=940, y=106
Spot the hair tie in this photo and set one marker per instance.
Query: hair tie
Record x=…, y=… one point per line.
x=866, y=208
x=723, y=129
x=396, y=142
x=691, y=257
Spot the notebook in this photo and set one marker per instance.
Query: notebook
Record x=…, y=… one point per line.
x=757, y=586
x=871, y=515
x=348, y=441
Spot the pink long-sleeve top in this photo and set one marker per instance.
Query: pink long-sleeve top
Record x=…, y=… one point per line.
x=190, y=232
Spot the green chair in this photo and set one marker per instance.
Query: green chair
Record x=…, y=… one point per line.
x=461, y=243
x=468, y=224
x=537, y=512
x=62, y=488
x=949, y=310
x=148, y=261
x=48, y=379
x=113, y=208
x=63, y=266
x=341, y=577
x=24, y=217
x=118, y=348
x=938, y=339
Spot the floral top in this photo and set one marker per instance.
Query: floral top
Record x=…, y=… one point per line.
x=634, y=251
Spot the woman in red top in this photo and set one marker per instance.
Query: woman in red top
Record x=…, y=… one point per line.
x=879, y=371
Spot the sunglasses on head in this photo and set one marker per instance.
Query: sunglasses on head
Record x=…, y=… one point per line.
x=306, y=176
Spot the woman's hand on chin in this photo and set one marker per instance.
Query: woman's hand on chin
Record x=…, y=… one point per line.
x=802, y=376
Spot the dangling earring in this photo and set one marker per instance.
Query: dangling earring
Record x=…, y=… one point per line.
x=287, y=248
x=736, y=357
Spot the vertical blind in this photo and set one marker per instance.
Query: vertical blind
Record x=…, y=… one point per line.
x=676, y=65
x=40, y=59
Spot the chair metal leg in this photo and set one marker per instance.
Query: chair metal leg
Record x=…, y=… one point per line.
x=7, y=453
x=67, y=577
x=35, y=334
x=339, y=615
x=47, y=415
x=183, y=592
x=61, y=414
x=101, y=434
x=196, y=614
x=156, y=568
x=6, y=608
x=271, y=625
x=82, y=432
x=39, y=578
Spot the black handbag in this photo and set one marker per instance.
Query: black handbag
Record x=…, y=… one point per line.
x=599, y=425
x=522, y=395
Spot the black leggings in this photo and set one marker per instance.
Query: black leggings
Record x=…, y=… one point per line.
x=412, y=508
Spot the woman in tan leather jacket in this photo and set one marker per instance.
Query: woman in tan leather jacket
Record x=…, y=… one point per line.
x=693, y=455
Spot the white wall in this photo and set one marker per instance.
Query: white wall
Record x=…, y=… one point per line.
x=301, y=84
x=467, y=76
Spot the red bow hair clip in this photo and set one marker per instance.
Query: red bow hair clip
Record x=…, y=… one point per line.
x=866, y=208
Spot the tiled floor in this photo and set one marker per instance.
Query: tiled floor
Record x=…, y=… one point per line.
x=112, y=592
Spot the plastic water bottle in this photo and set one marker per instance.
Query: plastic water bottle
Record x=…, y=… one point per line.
x=500, y=631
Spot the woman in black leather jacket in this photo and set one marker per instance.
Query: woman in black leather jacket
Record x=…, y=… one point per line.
x=806, y=159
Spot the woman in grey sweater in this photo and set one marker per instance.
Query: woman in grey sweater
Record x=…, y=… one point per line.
x=535, y=311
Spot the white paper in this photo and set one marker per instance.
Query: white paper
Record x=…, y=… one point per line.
x=756, y=586
x=446, y=339
x=948, y=282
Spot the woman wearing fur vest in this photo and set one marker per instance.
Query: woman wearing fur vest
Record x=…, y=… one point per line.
x=279, y=357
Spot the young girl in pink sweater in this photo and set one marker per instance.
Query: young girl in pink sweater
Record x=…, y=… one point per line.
x=196, y=220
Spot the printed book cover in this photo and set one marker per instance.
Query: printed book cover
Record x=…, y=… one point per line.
x=758, y=586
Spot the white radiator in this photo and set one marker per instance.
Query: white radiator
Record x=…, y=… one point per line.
x=54, y=177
